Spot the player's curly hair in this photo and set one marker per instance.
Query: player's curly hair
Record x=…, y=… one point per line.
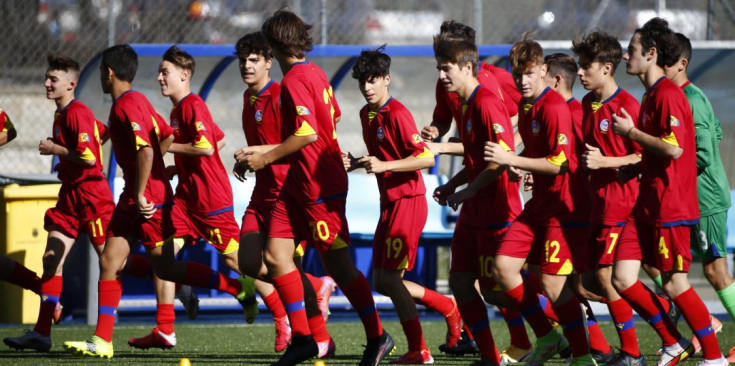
x=61, y=62
x=452, y=29
x=288, y=34
x=657, y=34
x=371, y=64
x=123, y=61
x=686, y=46
x=525, y=54
x=456, y=51
x=598, y=46
x=253, y=43
x=180, y=58
x=564, y=65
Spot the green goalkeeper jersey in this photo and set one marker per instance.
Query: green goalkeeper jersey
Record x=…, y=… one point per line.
x=713, y=189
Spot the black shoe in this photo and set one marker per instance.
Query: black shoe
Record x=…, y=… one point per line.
x=301, y=349
x=190, y=300
x=466, y=345
x=483, y=362
x=377, y=349
x=602, y=358
x=566, y=353
x=674, y=313
x=624, y=359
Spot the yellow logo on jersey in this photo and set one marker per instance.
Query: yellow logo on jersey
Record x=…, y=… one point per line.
x=674, y=122
x=562, y=139
x=135, y=126
x=83, y=137
x=302, y=111
x=416, y=138
x=199, y=126
x=498, y=128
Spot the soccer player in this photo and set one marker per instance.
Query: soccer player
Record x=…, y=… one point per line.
x=603, y=152
x=85, y=201
x=560, y=75
x=666, y=212
x=713, y=189
x=396, y=155
x=545, y=125
x=312, y=201
x=478, y=230
x=261, y=122
x=7, y=130
x=139, y=137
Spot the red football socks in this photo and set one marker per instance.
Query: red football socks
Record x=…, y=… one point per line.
x=109, y=299
x=50, y=292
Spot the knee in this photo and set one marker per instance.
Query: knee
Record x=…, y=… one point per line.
x=712, y=273
x=622, y=281
x=379, y=285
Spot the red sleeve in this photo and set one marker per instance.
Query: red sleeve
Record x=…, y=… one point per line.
x=558, y=127
x=102, y=128
x=498, y=124
x=218, y=134
x=442, y=112
x=138, y=124
x=407, y=135
x=80, y=135
x=3, y=120
x=302, y=104
x=197, y=122
x=165, y=130
x=672, y=119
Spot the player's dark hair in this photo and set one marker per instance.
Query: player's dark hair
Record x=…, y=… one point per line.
x=524, y=55
x=563, y=65
x=180, y=58
x=288, y=34
x=686, y=46
x=123, y=61
x=253, y=43
x=371, y=64
x=452, y=29
x=598, y=46
x=657, y=34
x=456, y=51
x=62, y=62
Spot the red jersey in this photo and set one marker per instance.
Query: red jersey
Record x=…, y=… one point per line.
x=507, y=84
x=546, y=129
x=612, y=201
x=668, y=186
x=390, y=133
x=484, y=119
x=5, y=124
x=261, y=122
x=203, y=181
x=449, y=106
x=308, y=107
x=579, y=186
x=76, y=129
x=133, y=125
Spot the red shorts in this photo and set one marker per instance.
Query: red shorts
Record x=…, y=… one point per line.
x=666, y=248
x=474, y=250
x=219, y=229
x=323, y=224
x=397, y=235
x=577, y=236
x=126, y=222
x=85, y=207
x=542, y=245
x=629, y=246
x=604, y=243
x=257, y=217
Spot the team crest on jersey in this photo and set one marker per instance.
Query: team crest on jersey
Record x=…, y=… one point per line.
x=258, y=116
x=302, y=111
x=381, y=134
x=561, y=139
x=135, y=126
x=416, y=138
x=468, y=126
x=200, y=126
x=604, y=125
x=497, y=128
x=535, y=127
x=57, y=132
x=674, y=122
x=175, y=124
x=83, y=137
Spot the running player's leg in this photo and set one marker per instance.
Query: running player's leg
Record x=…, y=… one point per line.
x=17, y=274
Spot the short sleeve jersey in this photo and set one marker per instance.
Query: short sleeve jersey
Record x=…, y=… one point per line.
x=309, y=107
x=390, y=134
x=449, y=106
x=507, y=84
x=713, y=189
x=579, y=186
x=667, y=184
x=76, y=129
x=5, y=123
x=203, y=180
x=613, y=201
x=484, y=119
x=134, y=125
x=261, y=122
x=546, y=128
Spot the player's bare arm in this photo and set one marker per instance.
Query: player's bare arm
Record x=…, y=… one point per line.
x=593, y=159
x=166, y=144
x=190, y=150
x=144, y=164
x=248, y=150
x=445, y=190
x=349, y=161
x=293, y=143
x=221, y=144
x=623, y=126
x=446, y=148
x=497, y=154
x=488, y=175
x=433, y=131
x=409, y=164
x=49, y=147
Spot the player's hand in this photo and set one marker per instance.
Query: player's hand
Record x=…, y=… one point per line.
x=623, y=124
x=514, y=174
x=592, y=158
x=46, y=147
x=429, y=133
x=442, y=192
x=497, y=154
x=239, y=171
x=349, y=161
x=240, y=154
x=145, y=208
x=454, y=200
x=372, y=164
x=254, y=161
x=171, y=172
x=527, y=182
